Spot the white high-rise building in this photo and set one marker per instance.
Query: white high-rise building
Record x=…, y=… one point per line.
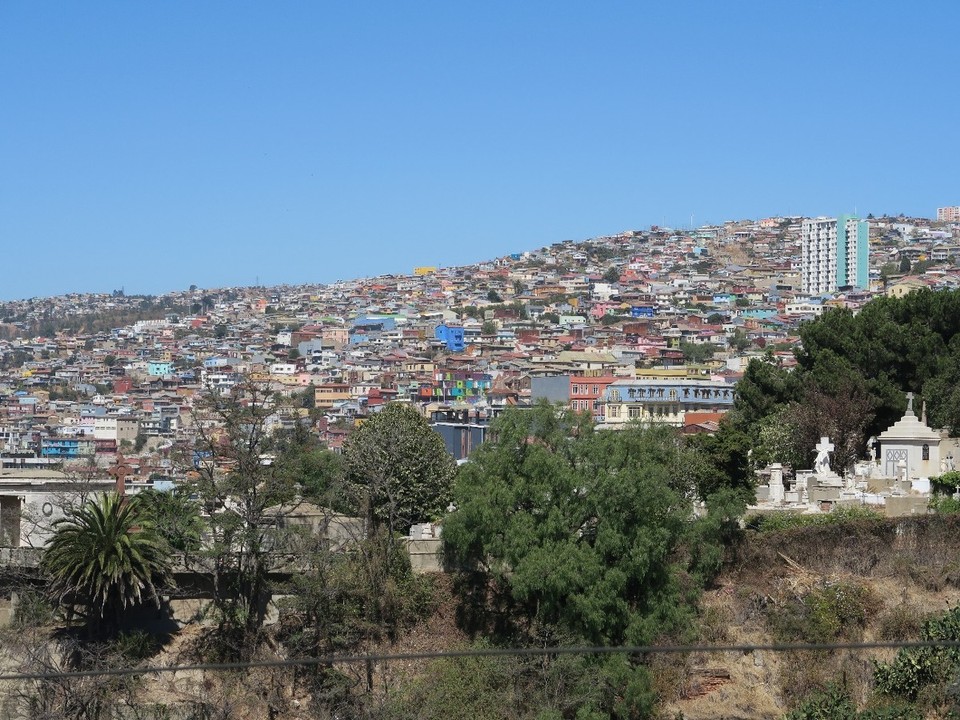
x=834, y=254
x=949, y=214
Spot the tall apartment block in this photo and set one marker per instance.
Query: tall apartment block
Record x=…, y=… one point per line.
x=835, y=254
x=949, y=214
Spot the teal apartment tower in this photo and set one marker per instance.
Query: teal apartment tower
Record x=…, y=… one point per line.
x=834, y=254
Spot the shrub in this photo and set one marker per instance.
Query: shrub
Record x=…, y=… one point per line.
x=944, y=505
x=914, y=670
x=901, y=622
x=136, y=646
x=777, y=521
x=32, y=610
x=835, y=703
x=840, y=609
x=825, y=614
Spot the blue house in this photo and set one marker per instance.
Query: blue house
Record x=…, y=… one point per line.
x=451, y=335
x=758, y=313
x=159, y=368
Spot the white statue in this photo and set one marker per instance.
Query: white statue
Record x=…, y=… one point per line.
x=821, y=466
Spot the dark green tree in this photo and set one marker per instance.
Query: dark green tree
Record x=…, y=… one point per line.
x=399, y=468
x=697, y=352
x=585, y=535
x=175, y=517
x=739, y=340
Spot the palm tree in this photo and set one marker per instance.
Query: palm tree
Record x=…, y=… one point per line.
x=107, y=557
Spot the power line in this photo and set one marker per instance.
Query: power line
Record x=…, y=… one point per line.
x=489, y=652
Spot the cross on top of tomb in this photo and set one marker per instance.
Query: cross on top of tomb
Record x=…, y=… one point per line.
x=822, y=464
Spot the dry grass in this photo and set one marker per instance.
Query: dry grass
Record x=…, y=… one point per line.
x=908, y=569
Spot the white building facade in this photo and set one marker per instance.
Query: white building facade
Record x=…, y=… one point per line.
x=834, y=254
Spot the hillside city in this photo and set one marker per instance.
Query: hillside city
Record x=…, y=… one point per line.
x=742, y=434
x=589, y=324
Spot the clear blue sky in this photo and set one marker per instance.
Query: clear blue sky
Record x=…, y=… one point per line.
x=154, y=145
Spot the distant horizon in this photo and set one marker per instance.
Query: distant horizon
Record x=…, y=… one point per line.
x=155, y=146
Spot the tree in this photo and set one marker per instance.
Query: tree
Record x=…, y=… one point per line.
x=697, y=352
x=580, y=526
x=489, y=327
x=583, y=535
x=175, y=517
x=493, y=296
x=317, y=472
x=400, y=468
x=739, y=340
x=243, y=494
x=905, y=264
x=107, y=556
x=842, y=413
x=764, y=387
x=612, y=275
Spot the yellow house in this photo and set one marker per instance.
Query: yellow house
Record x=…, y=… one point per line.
x=905, y=286
x=424, y=270
x=328, y=394
x=419, y=365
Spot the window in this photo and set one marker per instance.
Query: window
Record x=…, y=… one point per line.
x=925, y=453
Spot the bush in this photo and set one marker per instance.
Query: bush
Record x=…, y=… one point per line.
x=840, y=610
x=944, y=505
x=136, y=646
x=835, y=703
x=32, y=610
x=825, y=614
x=902, y=622
x=914, y=670
x=532, y=688
x=777, y=521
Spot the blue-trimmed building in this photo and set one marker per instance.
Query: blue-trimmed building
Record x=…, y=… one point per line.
x=664, y=401
x=68, y=448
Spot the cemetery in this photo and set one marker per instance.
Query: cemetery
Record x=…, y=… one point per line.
x=895, y=480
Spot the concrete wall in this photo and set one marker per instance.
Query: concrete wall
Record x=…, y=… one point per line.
x=425, y=555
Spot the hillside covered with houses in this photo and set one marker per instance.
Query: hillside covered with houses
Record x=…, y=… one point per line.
x=654, y=325
x=583, y=444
